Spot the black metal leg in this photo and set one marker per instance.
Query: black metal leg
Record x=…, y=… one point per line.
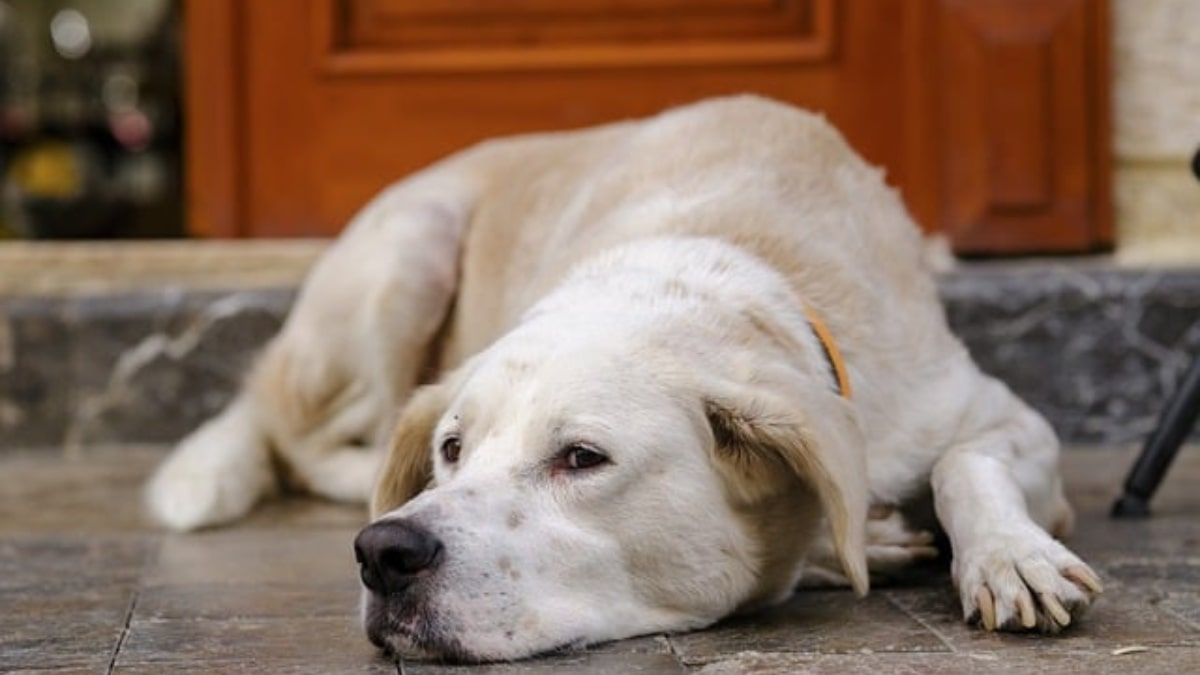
x=1177, y=420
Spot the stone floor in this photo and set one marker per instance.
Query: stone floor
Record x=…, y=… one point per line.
x=87, y=586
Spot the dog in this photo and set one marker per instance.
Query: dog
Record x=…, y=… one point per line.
x=633, y=379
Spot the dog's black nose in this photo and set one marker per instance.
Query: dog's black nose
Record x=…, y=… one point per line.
x=392, y=553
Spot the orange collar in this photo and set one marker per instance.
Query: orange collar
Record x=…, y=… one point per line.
x=831, y=350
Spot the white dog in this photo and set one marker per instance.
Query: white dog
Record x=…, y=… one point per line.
x=675, y=359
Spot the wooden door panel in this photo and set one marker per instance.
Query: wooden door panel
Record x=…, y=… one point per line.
x=410, y=36
x=1015, y=82
x=334, y=99
x=412, y=24
x=371, y=115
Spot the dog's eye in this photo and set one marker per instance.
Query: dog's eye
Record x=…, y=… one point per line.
x=451, y=449
x=576, y=457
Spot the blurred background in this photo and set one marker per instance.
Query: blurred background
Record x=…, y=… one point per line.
x=1012, y=126
x=90, y=133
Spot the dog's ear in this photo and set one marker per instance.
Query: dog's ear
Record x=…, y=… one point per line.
x=812, y=435
x=408, y=468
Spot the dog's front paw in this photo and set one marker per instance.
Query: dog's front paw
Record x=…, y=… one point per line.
x=1023, y=581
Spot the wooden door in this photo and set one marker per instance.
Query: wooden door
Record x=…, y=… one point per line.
x=990, y=115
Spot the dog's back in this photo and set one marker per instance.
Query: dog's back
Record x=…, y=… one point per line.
x=776, y=181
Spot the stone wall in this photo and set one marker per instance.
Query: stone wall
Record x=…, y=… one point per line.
x=1095, y=348
x=133, y=367
x=1156, y=76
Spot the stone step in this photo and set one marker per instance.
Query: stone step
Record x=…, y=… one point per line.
x=1094, y=346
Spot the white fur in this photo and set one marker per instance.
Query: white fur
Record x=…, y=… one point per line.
x=642, y=287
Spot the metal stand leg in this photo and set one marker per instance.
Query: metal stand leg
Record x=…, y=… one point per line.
x=1177, y=421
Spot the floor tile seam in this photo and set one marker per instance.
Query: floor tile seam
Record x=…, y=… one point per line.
x=116, y=652
x=1194, y=625
x=673, y=651
x=922, y=622
x=151, y=557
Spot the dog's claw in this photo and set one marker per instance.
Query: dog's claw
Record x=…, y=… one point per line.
x=1025, y=609
x=1057, y=612
x=1084, y=578
x=987, y=609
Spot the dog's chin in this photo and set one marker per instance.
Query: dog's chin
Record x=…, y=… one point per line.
x=407, y=646
x=401, y=645
x=418, y=634
x=416, y=638
x=411, y=648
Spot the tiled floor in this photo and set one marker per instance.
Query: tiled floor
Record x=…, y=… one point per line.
x=87, y=586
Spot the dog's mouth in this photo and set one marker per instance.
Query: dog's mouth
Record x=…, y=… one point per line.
x=413, y=633
x=403, y=645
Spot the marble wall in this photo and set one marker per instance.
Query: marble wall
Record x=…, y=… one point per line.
x=131, y=367
x=1093, y=347
x=1096, y=349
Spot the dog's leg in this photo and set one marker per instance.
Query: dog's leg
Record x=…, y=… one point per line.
x=997, y=493
x=361, y=333
x=321, y=399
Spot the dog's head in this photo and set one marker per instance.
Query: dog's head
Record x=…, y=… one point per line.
x=582, y=482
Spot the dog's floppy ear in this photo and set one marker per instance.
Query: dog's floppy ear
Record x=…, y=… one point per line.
x=814, y=436
x=408, y=468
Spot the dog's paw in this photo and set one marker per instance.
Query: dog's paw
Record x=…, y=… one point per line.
x=1023, y=581
x=892, y=544
x=215, y=475
x=186, y=497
